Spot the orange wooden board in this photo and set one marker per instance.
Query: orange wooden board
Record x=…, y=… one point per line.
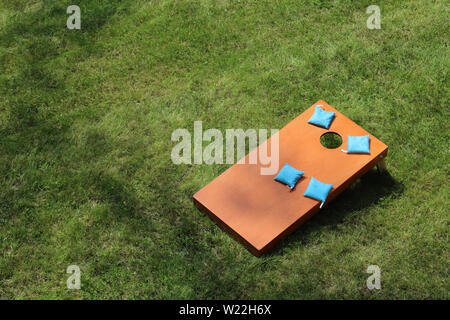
x=258, y=211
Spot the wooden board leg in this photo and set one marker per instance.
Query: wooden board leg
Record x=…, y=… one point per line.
x=381, y=166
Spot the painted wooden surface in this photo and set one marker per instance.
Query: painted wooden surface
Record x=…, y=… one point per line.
x=258, y=211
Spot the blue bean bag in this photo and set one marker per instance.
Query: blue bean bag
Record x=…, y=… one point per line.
x=358, y=144
x=318, y=190
x=321, y=117
x=289, y=176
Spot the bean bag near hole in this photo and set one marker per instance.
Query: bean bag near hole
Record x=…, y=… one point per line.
x=289, y=176
x=321, y=117
x=358, y=144
x=318, y=190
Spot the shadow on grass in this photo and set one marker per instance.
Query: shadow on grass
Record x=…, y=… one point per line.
x=41, y=38
x=369, y=190
x=33, y=95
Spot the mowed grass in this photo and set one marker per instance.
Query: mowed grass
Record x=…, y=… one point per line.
x=86, y=118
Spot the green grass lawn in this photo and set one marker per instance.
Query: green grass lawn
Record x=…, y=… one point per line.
x=86, y=118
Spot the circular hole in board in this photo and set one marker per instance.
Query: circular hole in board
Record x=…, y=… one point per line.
x=331, y=140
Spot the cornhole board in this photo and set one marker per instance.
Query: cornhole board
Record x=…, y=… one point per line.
x=258, y=211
